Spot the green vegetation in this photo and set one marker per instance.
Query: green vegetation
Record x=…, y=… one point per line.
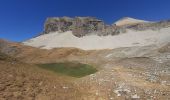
x=70, y=68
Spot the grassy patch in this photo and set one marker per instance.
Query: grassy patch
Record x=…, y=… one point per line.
x=70, y=68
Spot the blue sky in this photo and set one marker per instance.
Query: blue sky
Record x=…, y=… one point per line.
x=23, y=19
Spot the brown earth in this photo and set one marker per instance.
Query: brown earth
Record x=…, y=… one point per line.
x=20, y=81
x=119, y=78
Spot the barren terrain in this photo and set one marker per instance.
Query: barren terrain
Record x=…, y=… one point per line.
x=123, y=73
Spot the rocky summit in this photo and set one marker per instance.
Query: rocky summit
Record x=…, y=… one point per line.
x=82, y=26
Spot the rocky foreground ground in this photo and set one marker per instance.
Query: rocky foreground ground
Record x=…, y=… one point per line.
x=20, y=81
x=136, y=73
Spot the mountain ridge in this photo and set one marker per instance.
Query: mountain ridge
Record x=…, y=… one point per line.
x=82, y=26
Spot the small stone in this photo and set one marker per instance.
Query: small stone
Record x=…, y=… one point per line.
x=64, y=87
x=97, y=93
x=135, y=96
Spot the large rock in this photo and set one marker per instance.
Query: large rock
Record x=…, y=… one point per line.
x=58, y=24
x=86, y=25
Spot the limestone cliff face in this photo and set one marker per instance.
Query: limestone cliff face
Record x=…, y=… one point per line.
x=80, y=26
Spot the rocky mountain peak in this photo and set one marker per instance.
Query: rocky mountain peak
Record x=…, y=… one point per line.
x=129, y=21
x=80, y=26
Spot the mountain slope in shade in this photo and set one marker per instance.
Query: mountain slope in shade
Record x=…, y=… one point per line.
x=129, y=21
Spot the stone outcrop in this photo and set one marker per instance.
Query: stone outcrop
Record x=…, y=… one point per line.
x=80, y=26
